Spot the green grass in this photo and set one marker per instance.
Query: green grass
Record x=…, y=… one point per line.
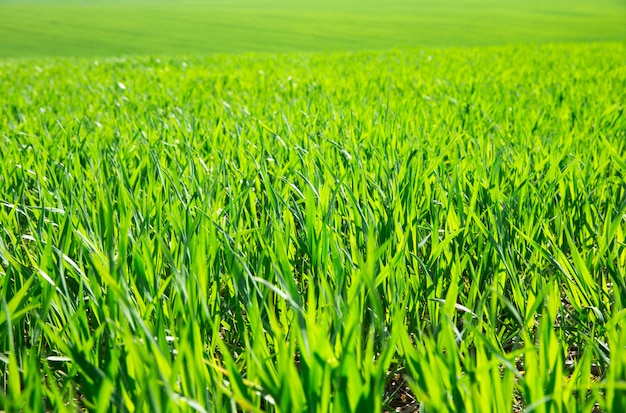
x=305, y=232
x=113, y=28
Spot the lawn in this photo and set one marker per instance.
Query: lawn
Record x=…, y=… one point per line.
x=315, y=232
x=299, y=224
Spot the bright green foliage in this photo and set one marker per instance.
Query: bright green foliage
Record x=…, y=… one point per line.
x=31, y=28
x=284, y=233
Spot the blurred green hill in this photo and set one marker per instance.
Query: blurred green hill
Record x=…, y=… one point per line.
x=115, y=27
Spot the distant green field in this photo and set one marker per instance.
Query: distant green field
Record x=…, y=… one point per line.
x=105, y=28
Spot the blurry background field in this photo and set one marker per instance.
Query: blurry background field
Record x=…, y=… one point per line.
x=104, y=28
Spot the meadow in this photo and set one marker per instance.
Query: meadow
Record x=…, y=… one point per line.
x=434, y=229
x=96, y=28
x=355, y=207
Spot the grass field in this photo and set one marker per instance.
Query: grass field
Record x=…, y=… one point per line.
x=281, y=206
x=440, y=229
x=112, y=28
